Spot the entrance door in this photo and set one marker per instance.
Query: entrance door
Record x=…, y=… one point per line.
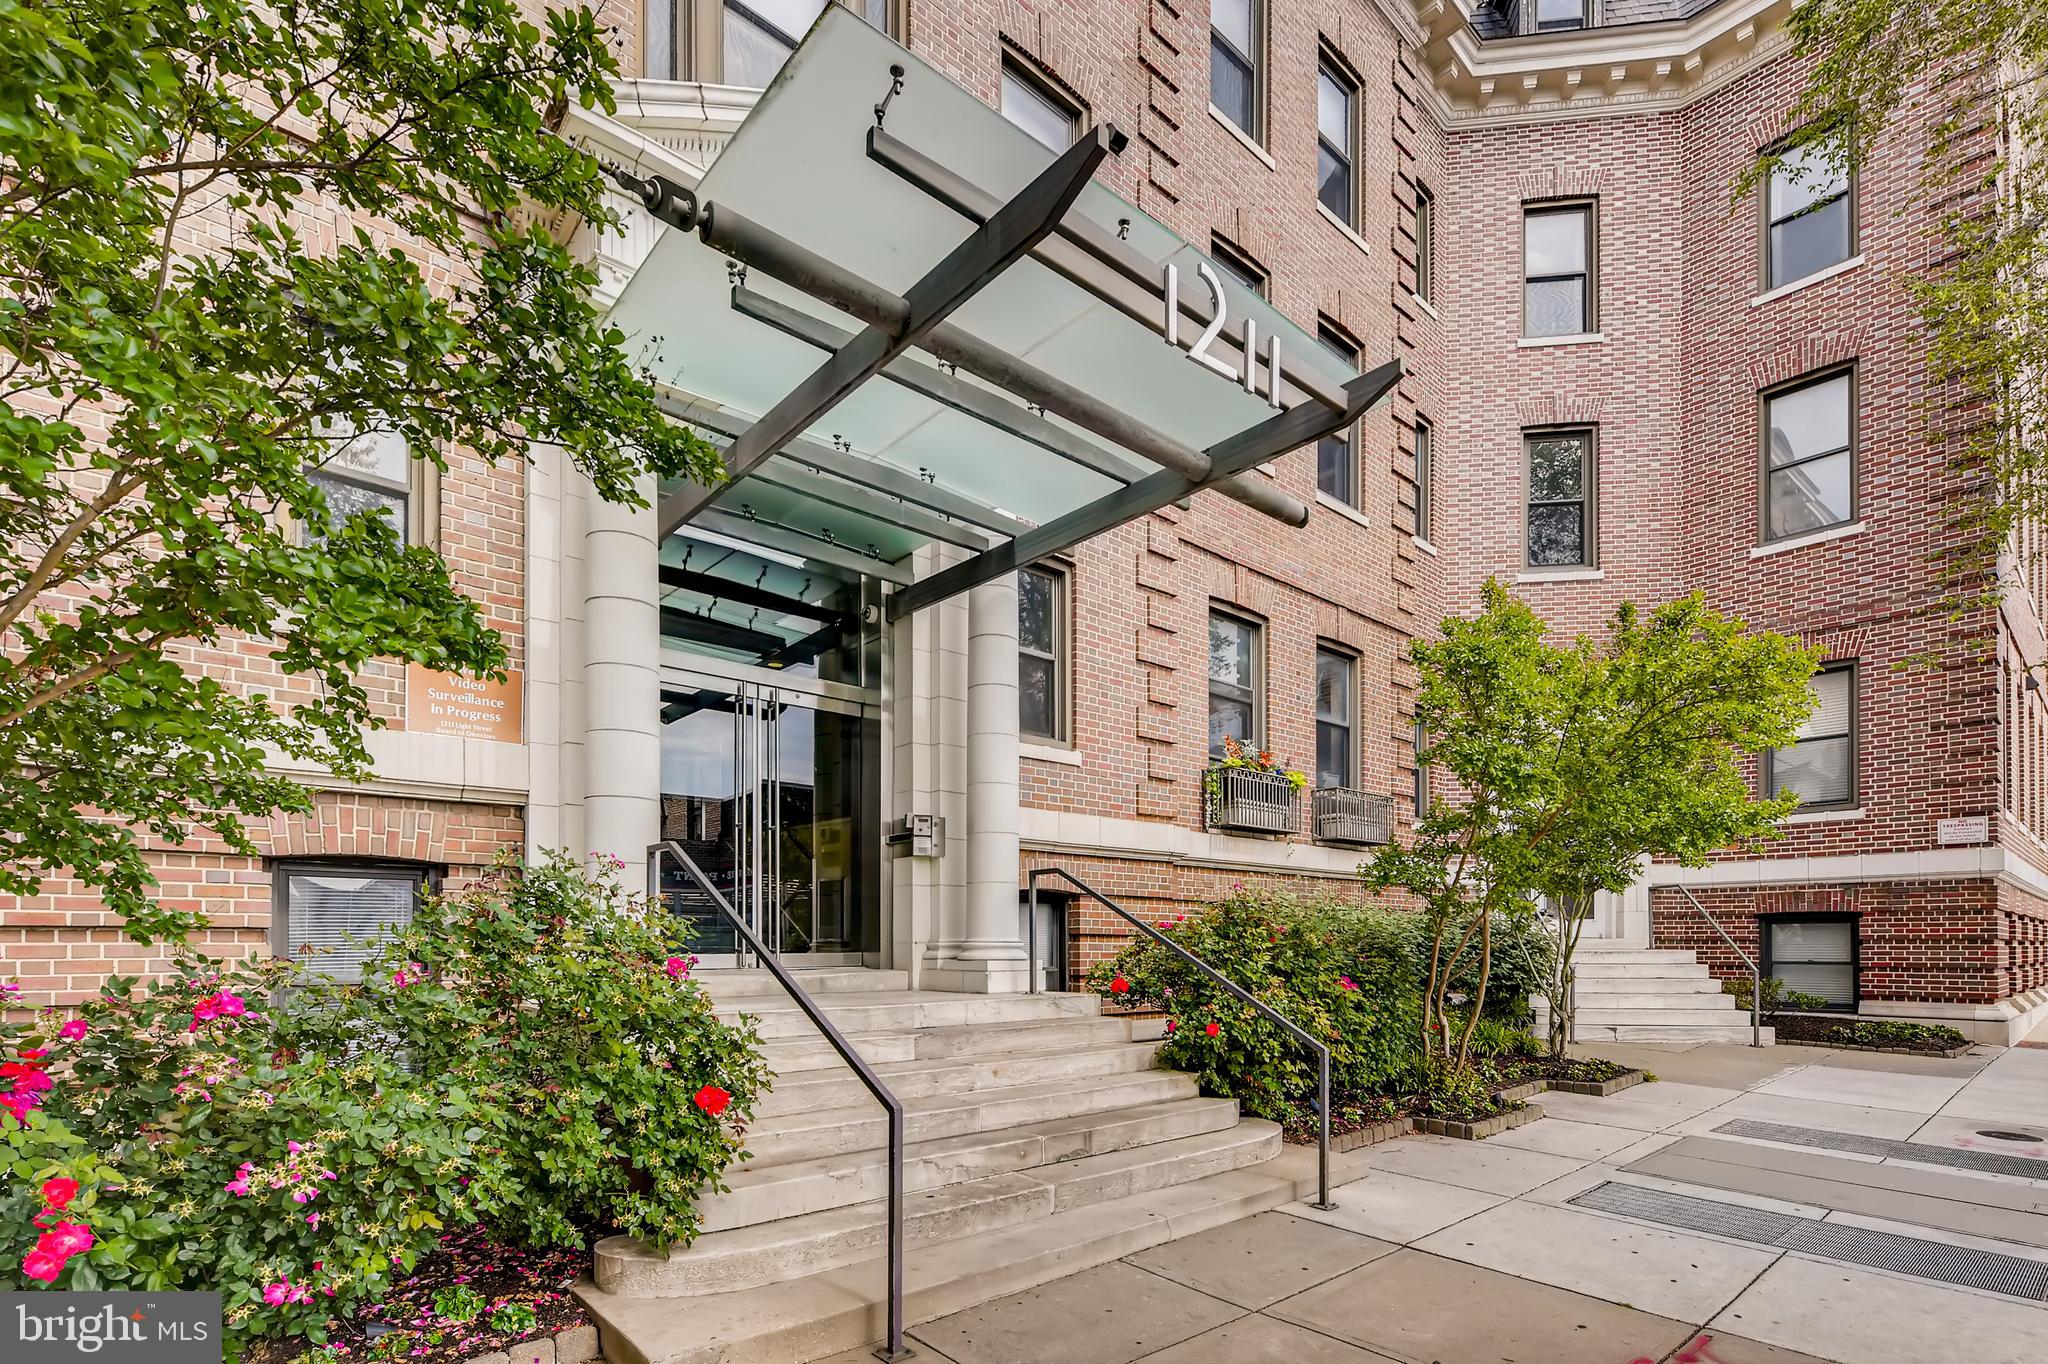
x=764, y=789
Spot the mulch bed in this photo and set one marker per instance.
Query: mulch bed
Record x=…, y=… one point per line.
x=408, y=1327
x=1511, y=1082
x=1850, y=1034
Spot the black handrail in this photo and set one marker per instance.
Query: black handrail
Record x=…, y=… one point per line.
x=1756, y=977
x=894, y=1350
x=1322, y=1203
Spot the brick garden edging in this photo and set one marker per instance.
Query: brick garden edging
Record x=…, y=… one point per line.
x=1951, y=1052
x=1375, y=1133
x=1484, y=1128
x=1599, y=1089
x=577, y=1345
x=1371, y=1135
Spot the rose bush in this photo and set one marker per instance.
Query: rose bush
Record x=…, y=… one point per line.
x=521, y=1056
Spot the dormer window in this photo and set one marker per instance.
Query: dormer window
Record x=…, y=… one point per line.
x=1557, y=15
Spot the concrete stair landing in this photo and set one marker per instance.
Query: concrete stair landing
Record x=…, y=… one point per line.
x=1040, y=1138
x=1640, y=994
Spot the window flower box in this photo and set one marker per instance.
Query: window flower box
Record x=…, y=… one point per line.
x=1252, y=801
x=1343, y=814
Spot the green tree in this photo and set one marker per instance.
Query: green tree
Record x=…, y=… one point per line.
x=1575, y=762
x=234, y=239
x=1971, y=71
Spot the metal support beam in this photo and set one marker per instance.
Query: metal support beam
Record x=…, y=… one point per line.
x=1091, y=256
x=880, y=475
x=992, y=408
x=797, y=544
x=775, y=256
x=997, y=244
x=834, y=492
x=1246, y=450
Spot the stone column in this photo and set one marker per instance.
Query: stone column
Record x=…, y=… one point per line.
x=990, y=957
x=622, y=684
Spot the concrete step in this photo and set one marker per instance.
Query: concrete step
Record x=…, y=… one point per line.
x=748, y=1257
x=1691, y=1001
x=865, y=1011
x=833, y=1131
x=1701, y=984
x=753, y=982
x=763, y=1193
x=793, y=1055
x=810, y=1091
x=823, y=1314
x=1659, y=1017
x=1668, y=1032
x=1633, y=956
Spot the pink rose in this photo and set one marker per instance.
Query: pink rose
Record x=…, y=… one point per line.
x=59, y=1192
x=674, y=966
x=74, y=1030
x=66, y=1239
x=232, y=1006
x=41, y=1264
x=276, y=1293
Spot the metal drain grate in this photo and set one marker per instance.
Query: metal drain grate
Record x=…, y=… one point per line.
x=1988, y=1162
x=1934, y=1260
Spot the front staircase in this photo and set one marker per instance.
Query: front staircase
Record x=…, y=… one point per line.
x=1040, y=1138
x=1641, y=994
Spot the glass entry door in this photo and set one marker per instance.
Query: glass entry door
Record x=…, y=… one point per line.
x=765, y=789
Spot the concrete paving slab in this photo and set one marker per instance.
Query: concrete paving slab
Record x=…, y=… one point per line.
x=1870, y=1317
x=1895, y=1063
x=865, y=1354
x=1673, y=1274
x=1423, y=1309
x=1398, y=1208
x=1478, y=1165
x=1560, y=1193
x=1563, y=1137
x=1707, y=1063
x=1608, y=1113
x=1835, y=1117
x=1720, y=1347
x=1988, y=1244
x=1257, y=1262
x=1110, y=1314
x=1866, y=1088
x=1655, y=1141
x=1677, y=1094
x=2017, y=1195
x=1967, y=1134
x=1262, y=1340
x=2013, y=1088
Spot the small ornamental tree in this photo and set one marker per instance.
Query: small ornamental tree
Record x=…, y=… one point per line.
x=1573, y=764
x=238, y=240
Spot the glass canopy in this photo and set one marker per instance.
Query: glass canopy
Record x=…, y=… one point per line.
x=800, y=167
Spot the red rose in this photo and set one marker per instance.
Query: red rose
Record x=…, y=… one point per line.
x=59, y=1192
x=43, y=1265
x=1213, y=1029
x=713, y=1100
x=1119, y=986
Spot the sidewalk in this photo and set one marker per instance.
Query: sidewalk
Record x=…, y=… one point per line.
x=1454, y=1252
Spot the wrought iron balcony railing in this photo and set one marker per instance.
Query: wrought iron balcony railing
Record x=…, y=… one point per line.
x=1251, y=801
x=1343, y=814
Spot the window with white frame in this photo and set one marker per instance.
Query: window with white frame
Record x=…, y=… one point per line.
x=1337, y=452
x=1809, y=214
x=1336, y=702
x=1809, y=455
x=1030, y=102
x=1233, y=262
x=1425, y=456
x=1557, y=15
x=1337, y=142
x=1557, y=270
x=1425, y=243
x=370, y=473
x=734, y=42
x=1041, y=653
x=1234, y=83
x=1235, y=667
x=334, y=915
x=1820, y=767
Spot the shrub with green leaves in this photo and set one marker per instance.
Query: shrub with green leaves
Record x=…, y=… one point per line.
x=1777, y=999
x=608, y=1093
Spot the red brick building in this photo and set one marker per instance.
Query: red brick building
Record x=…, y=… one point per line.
x=1529, y=203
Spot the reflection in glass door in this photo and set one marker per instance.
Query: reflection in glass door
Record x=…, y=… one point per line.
x=764, y=790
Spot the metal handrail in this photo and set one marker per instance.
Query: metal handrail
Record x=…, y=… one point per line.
x=1756, y=979
x=894, y=1350
x=1322, y=1052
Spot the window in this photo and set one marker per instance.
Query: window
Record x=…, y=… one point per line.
x=1425, y=244
x=1815, y=955
x=339, y=911
x=1336, y=453
x=1421, y=771
x=1809, y=456
x=1820, y=768
x=370, y=473
x=1557, y=268
x=1337, y=143
x=760, y=35
x=1560, y=498
x=1233, y=263
x=1234, y=667
x=736, y=42
x=1234, y=62
x=1560, y=14
x=1041, y=653
x=1033, y=105
x=1809, y=217
x=1336, y=752
x=1423, y=472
